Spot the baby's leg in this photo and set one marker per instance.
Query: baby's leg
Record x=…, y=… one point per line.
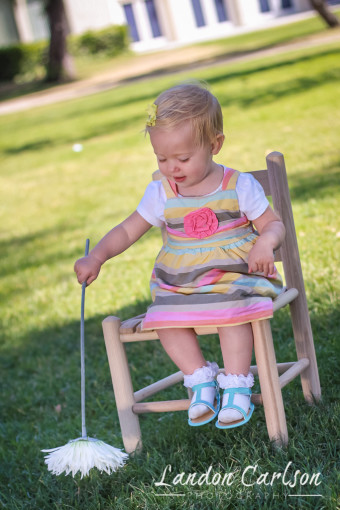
x=182, y=347
x=237, y=346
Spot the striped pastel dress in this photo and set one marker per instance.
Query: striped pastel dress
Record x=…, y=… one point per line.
x=200, y=277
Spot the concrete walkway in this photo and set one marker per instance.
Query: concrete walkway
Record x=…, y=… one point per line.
x=146, y=66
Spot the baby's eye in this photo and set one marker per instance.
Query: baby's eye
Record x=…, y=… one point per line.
x=184, y=160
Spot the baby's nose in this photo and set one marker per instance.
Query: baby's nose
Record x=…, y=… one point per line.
x=174, y=168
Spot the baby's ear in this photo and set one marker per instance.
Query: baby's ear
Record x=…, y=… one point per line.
x=216, y=144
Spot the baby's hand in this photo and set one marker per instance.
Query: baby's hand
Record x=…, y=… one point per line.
x=261, y=259
x=87, y=269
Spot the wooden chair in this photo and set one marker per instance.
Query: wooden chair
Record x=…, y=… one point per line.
x=131, y=403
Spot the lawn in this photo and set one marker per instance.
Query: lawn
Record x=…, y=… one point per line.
x=53, y=198
x=88, y=66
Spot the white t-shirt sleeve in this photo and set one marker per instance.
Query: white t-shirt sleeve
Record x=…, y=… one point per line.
x=252, y=200
x=151, y=207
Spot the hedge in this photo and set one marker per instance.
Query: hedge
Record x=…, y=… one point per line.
x=27, y=59
x=111, y=41
x=20, y=59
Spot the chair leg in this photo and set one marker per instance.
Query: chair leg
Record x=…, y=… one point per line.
x=122, y=385
x=293, y=273
x=305, y=348
x=269, y=382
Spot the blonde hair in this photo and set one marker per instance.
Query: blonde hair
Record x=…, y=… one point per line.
x=193, y=102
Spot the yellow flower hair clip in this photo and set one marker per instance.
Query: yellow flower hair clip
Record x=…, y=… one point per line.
x=152, y=112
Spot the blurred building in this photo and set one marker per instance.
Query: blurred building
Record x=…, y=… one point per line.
x=153, y=24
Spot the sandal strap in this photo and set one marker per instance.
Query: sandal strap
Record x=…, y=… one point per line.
x=208, y=404
x=232, y=391
x=198, y=388
x=236, y=408
x=230, y=404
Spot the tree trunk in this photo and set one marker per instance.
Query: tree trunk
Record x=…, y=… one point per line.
x=322, y=8
x=60, y=64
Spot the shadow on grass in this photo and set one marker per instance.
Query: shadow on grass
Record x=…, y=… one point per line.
x=40, y=403
x=231, y=75
x=20, y=253
x=110, y=127
x=51, y=356
x=226, y=58
x=304, y=185
x=241, y=97
x=9, y=90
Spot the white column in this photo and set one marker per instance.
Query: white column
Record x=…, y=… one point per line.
x=244, y=12
x=23, y=21
x=166, y=19
x=142, y=20
x=275, y=6
x=209, y=12
x=71, y=20
x=181, y=17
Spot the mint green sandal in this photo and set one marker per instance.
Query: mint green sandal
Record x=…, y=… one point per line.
x=212, y=411
x=231, y=405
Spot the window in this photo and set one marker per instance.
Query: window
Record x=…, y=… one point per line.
x=221, y=11
x=286, y=4
x=264, y=6
x=152, y=13
x=130, y=18
x=196, y=4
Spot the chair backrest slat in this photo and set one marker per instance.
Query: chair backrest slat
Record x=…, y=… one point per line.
x=282, y=204
x=262, y=177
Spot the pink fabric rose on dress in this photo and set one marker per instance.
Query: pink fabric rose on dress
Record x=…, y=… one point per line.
x=201, y=223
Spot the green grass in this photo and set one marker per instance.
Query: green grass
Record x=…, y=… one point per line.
x=52, y=199
x=89, y=66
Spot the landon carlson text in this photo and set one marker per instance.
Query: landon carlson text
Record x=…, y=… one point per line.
x=248, y=477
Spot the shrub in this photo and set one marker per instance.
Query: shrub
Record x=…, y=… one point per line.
x=35, y=55
x=21, y=59
x=110, y=41
x=29, y=60
x=10, y=62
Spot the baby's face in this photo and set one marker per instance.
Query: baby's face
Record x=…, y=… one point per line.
x=180, y=160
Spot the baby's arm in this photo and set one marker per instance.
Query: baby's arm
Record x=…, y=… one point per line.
x=113, y=243
x=272, y=233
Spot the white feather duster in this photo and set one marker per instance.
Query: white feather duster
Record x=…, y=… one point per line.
x=84, y=453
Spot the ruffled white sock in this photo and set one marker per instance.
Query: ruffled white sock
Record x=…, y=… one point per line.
x=202, y=375
x=243, y=401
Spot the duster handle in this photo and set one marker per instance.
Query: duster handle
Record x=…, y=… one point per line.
x=82, y=351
